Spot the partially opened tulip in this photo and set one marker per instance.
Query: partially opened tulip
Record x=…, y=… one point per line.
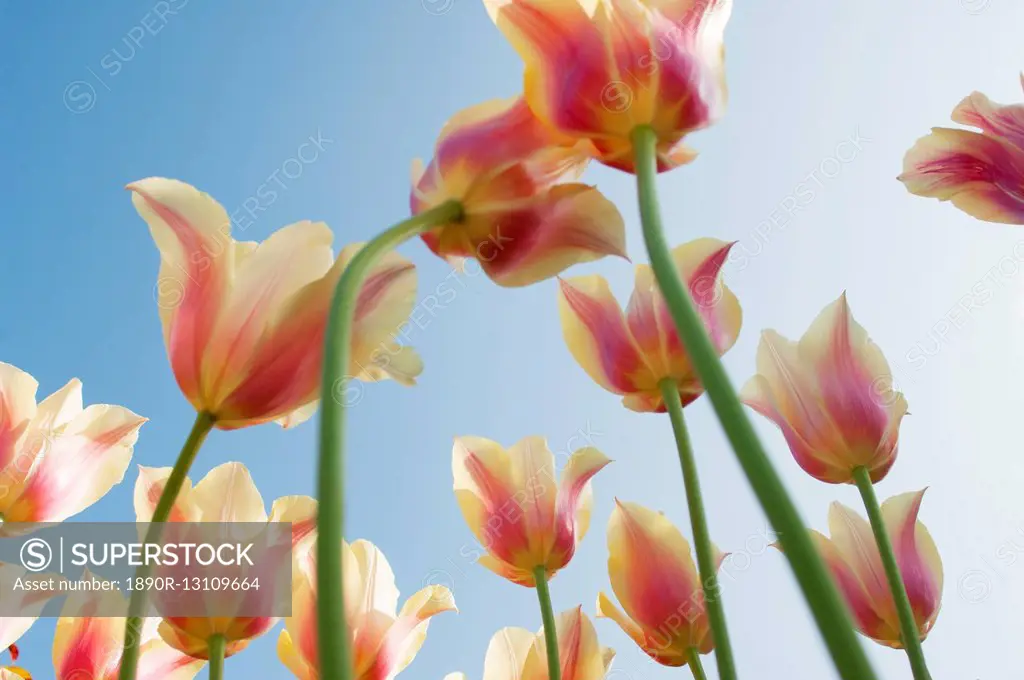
x=598, y=69
x=518, y=654
x=87, y=647
x=244, y=323
x=631, y=353
x=523, y=219
x=981, y=173
x=655, y=580
x=832, y=395
x=527, y=519
x=56, y=457
x=385, y=639
x=855, y=562
x=226, y=495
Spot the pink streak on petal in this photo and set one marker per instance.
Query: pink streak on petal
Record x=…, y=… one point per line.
x=509, y=538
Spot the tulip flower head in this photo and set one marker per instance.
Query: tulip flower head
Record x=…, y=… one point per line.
x=87, y=647
x=518, y=654
x=226, y=495
x=597, y=69
x=244, y=322
x=630, y=354
x=523, y=218
x=385, y=639
x=513, y=505
x=853, y=558
x=982, y=173
x=832, y=395
x=656, y=581
x=56, y=457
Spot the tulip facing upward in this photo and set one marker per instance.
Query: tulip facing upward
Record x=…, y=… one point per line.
x=514, y=507
x=384, y=640
x=56, y=457
x=228, y=495
x=982, y=173
x=832, y=395
x=852, y=556
x=657, y=583
x=244, y=322
x=597, y=69
x=523, y=218
x=630, y=354
x=518, y=654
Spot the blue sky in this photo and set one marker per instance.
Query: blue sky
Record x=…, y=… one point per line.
x=825, y=99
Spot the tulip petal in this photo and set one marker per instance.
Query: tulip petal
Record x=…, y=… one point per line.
x=293, y=660
x=861, y=606
x=855, y=542
x=300, y=511
x=406, y=634
x=573, y=519
x=976, y=172
x=193, y=233
x=917, y=556
x=581, y=657
x=700, y=263
x=596, y=333
x=148, y=488
x=60, y=408
x=506, y=654
x=228, y=494
x=1005, y=122
x=17, y=407
x=375, y=579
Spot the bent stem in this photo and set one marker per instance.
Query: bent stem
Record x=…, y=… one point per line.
x=216, y=645
x=701, y=536
x=133, y=626
x=547, y=615
x=828, y=609
x=693, y=658
x=334, y=636
x=908, y=625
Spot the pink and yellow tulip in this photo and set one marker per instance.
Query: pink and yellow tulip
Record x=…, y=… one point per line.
x=384, y=641
x=244, y=322
x=832, y=395
x=629, y=354
x=518, y=654
x=853, y=558
x=522, y=516
x=523, y=218
x=227, y=495
x=56, y=457
x=982, y=173
x=88, y=647
x=656, y=581
x=597, y=69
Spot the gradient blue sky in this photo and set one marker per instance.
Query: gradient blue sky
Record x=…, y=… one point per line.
x=223, y=95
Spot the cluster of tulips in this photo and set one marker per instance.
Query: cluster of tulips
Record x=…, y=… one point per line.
x=267, y=332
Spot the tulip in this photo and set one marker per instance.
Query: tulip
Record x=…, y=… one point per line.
x=856, y=564
x=527, y=522
x=88, y=647
x=630, y=354
x=518, y=654
x=656, y=581
x=523, y=218
x=832, y=395
x=598, y=69
x=57, y=458
x=227, y=495
x=384, y=641
x=982, y=173
x=244, y=323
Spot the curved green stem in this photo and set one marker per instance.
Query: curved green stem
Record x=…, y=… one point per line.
x=693, y=659
x=706, y=562
x=216, y=645
x=908, y=625
x=547, y=615
x=828, y=609
x=334, y=636
x=137, y=604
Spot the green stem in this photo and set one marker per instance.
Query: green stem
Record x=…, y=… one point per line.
x=216, y=645
x=693, y=658
x=908, y=625
x=706, y=563
x=828, y=609
x=137, y=604
x=547, y=615
x=334, y=636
